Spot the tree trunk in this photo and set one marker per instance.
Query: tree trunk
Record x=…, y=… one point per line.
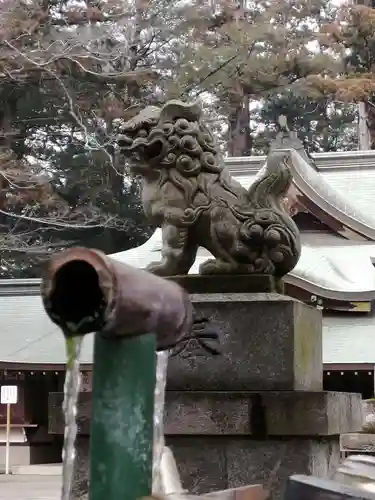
x=365, y=139
x=240, y=141
x=370, y=112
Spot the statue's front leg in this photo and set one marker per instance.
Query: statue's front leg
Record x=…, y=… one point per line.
x=177, y=254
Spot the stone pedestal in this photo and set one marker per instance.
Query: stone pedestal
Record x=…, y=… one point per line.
x=255, y=414
x=206, y=464
x=269, y=342
x=223, y=440
x=258, y=413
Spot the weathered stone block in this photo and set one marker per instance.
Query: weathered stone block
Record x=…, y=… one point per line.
x=212, y=463
x=357, y=442
x=313, y=413
x=229, y=462
x=268, y=413
x=229, y=283
x=270, y=342
x=261, y=414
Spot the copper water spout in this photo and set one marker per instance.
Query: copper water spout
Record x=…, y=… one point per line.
x=85, y=291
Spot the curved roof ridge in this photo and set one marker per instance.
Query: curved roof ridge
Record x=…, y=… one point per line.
x=324, y=198
x=318, y=196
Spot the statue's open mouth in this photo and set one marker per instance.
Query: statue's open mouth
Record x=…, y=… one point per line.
x=141, y=149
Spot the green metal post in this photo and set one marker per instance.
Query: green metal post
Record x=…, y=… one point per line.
x=122, y=417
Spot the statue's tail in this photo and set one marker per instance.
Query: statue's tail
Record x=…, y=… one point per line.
x=273, y=181
x=270, y=231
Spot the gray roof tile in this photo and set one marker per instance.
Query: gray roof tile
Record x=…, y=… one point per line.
x=349, y=339
x=30, y=337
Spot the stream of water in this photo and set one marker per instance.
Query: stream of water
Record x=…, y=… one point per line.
x=71, y=392
x=161, y=379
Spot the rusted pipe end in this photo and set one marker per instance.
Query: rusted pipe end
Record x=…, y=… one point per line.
x=77, y=290
x=85, y=291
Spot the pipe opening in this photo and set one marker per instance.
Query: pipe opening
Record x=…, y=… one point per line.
x=77, y=300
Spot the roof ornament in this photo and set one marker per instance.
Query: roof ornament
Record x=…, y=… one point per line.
x=283, y=123
x=288, y=139
x=189, y=193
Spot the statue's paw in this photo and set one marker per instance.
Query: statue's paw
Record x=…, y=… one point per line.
x=160, y=269
x=215, y=266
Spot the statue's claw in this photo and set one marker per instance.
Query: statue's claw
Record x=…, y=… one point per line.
x=160, y=269
x=216, y=266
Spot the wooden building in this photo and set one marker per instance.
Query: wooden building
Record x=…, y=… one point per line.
x=332, y=199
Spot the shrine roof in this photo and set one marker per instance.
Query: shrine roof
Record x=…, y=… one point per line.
x=337, y=161
x=29, y=336
x=348, y=339
x=341, y=184
x=31, y=339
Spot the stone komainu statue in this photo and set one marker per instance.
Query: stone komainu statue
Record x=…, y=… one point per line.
x=189, y=193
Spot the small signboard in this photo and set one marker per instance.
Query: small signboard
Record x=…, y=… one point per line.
x=9, y=394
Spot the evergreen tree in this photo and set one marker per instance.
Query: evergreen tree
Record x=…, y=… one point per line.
x=323, y=125
x=250, y=52
x=69, y=74
x=352, y=36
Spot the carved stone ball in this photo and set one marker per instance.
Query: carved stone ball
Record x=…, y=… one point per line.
x=272, y=237
x=276, y=256
x=256, y=233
